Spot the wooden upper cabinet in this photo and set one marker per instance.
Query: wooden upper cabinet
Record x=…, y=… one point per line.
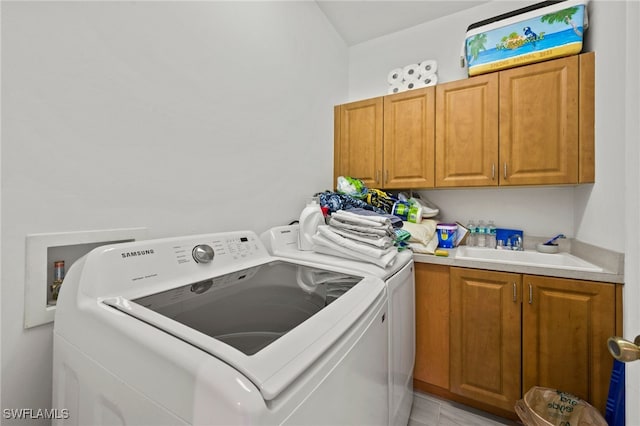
x=485, y=342
x=358, y=141
x=531, y=125
x=467, y=132
x=539, y=123
x=566, y=324
x=586, y=169
x=387, y=142
x=409, y=139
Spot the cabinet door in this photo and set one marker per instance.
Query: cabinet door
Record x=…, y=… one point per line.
x=485, y=336
x=358, y=141
x=467, y=132
x=432, y=325
x=586, y=151
x=539, y=123
x=566, y=324
x=409, y=139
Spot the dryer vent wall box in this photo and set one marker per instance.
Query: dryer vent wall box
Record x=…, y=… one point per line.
x=49, y=256
x=212, y=329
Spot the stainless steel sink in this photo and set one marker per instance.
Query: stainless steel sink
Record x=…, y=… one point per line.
x=526, y=258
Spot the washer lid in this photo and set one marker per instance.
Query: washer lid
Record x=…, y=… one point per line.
x=271, y=321
x=282, y=241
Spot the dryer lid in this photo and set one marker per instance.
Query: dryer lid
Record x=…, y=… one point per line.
x=271, y=321
x=282, y=241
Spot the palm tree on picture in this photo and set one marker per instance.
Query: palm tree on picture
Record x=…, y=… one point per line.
x=476, y=44
x=564, y=15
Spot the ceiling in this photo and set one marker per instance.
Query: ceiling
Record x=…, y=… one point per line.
x=361, y=20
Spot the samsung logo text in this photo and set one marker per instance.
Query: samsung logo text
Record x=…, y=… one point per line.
x=136, y=253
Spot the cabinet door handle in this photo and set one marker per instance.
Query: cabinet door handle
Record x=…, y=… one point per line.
x=505, y=170
x=515, y=292
x=377, y=176
x=493, y=171
x=530, y=294
x=386, y=176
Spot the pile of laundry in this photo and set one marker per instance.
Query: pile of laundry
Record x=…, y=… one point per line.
x=372, y=225
x=361, y=235
x=353, y=193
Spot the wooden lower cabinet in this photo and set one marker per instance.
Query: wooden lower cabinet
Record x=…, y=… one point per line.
x=485, y=336
x=432, y=325
x=566, y=324
x=508, y=332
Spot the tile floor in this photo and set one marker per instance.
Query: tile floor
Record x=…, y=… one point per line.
x=429, y=410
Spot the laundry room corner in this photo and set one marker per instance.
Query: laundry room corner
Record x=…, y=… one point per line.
x=179, y=117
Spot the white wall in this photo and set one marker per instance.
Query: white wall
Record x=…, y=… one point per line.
x=575, y=211
x=442, y=40
x=183, y=117
x=604, y=202
x=198, y=117
x=631, y=316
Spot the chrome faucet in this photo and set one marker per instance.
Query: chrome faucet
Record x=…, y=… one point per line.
x=516, y=242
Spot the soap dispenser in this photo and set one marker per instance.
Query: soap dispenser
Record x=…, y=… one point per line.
x=310, y=218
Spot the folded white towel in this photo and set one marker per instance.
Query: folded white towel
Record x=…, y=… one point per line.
x=357, y=219
x=365, y=230
x=325, y=246
x=365, y=234
x=377, y=241
x=350, y=244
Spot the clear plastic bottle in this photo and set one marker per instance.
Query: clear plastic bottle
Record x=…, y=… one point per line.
x=491, y=234
x=471, y=238
x=480, y=234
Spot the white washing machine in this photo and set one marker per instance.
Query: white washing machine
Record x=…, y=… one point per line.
x=212, y=329
x=282, y=242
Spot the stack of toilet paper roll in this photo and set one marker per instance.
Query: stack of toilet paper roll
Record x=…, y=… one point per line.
x=413, y=76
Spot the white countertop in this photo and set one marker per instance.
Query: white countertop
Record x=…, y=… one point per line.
x=612, y=264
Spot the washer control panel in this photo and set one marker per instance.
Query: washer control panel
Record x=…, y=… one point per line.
x=222, y=250
x=155, y=263
x=240, y=246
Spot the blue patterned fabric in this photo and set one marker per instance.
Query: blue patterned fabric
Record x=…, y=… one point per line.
x=335, y=202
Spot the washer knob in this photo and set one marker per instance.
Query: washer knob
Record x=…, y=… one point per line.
x=202, y=253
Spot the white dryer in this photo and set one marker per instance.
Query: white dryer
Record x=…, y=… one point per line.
x=211, y=329
x=400, y=281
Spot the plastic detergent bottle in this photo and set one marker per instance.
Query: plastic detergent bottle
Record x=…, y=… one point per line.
x=310, y=218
